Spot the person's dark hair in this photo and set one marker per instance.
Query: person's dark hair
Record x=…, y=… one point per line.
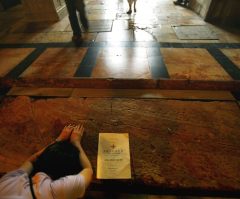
x=58, y=160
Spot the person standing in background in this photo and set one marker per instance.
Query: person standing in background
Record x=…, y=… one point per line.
x=74, y=6
x=130, y=3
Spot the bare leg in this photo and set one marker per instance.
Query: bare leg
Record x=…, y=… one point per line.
x=130, y=2
x=135, y=1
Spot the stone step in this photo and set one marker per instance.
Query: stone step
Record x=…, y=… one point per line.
x=122, y=93
x=108, y=83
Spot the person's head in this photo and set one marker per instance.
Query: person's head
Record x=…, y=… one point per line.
x=58, y=160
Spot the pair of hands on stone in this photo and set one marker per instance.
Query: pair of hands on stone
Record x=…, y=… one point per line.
x=73, y=133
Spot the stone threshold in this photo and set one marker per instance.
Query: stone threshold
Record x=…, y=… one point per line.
x=122, y=93
x=108, y=83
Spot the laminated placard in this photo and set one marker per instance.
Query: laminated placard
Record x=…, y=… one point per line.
x=113, y=161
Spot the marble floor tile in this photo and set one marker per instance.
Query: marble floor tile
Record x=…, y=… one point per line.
x=164, y=33
x=95, y=4
x=96, y=26
x=124, y=35
x=233, y=55
x=147, y=18
x=193, y=64
x=120, y=25
x=125, y=16
x=54, y=70
x=129, y=53
x=37, y=37
x=103, y=16
x=226, y=35
x=61, y=25
x=122, y=63
x=195, y=32
x=10, y=57
x=56, y=62
x=142, y=24
x=122, y=68
x=10, y=17
x=151, y=22
x=44, y=37
x=32, y=27
x=23, y=26
x=202, y=41
x=142, y=35
x=5, y=27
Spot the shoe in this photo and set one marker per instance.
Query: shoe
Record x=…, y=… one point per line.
x=77, y=39
x=129, y=12
x=177, y=3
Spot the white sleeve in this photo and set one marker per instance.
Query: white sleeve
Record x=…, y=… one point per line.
x=72, y=186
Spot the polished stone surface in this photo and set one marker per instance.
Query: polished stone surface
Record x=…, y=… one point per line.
x=56, y=62
x=233, y=55
x=195, y=32
x=152, y=21
x=122, y=63
x=97, y=26
x=9, y=58
x=191, y=64
x=123, y=35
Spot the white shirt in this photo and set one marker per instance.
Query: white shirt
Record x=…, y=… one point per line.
x=15, y=185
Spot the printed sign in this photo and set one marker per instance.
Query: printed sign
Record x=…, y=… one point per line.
x=113, y=161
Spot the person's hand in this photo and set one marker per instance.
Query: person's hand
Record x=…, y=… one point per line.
x=66, y=133
x=77, y=134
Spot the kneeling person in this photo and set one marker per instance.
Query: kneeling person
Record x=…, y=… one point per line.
x=61, y=170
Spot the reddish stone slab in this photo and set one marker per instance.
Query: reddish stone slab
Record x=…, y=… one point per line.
x=174, y=144
x=98, y=83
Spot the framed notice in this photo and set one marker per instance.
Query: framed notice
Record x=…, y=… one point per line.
x=113, y=161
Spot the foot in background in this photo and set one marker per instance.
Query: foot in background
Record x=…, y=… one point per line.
x=77, y=39
x=129, y=12
x=177, y=2
x=181, y=2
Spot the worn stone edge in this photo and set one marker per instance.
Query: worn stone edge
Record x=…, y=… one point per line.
x=98, y=83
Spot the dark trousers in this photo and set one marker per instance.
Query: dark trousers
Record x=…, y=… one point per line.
x=74, y=6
